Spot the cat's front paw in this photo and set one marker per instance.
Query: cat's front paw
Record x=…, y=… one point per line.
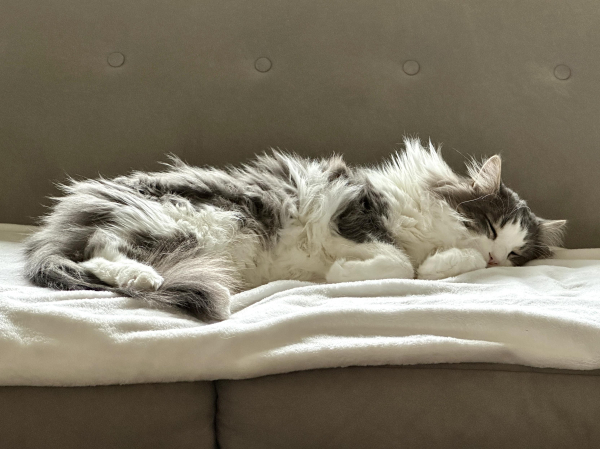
x=379, y=267
x=450, y=263
x=338, y=272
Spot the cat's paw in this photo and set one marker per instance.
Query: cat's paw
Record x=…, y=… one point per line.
x=379, y=267
x=124, y=274
x=139, y=278
x=450, y=263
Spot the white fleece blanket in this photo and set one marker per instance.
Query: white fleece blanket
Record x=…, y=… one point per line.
x=543, y=315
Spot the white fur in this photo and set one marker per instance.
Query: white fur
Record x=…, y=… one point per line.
x=420, y=222
x=379, y=267
x=124, y=272
x=306, y=247
x=451, y=262
x=434, y=241
x=430, y=237
x=217, y=230
x=511, y=237
x=422, y=225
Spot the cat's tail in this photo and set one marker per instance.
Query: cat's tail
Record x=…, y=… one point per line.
x=200, y=286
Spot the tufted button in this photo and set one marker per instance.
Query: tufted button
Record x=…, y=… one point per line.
x=116, y=59
x=562, y=72
x=411, y=67
x=263, y=64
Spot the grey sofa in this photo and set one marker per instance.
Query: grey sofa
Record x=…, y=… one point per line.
x=90, y=87
x=447, y=406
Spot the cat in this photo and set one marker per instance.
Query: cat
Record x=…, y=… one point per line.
x=190, y=237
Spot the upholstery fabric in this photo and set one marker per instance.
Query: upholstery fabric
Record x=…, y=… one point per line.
x=442, y=406
x=153, y=416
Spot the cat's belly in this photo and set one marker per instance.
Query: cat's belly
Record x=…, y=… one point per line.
x=301, y=253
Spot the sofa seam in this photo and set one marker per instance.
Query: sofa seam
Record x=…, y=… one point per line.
x=217, y=445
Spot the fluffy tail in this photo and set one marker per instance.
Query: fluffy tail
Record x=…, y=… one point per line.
x=199, y=285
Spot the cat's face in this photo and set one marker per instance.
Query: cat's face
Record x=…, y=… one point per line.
x=505, y=230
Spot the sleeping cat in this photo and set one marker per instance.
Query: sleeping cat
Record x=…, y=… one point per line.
x=190, y=237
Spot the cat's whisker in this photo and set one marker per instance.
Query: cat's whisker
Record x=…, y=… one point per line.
x=474, y=199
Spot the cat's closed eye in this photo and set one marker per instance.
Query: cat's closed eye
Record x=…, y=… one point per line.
x=494, y=234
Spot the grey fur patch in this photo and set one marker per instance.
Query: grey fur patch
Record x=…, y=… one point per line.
x=362, y=219
x=254, y=194
x=62, y=274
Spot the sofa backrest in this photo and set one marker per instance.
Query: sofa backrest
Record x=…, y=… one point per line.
x=89, y=87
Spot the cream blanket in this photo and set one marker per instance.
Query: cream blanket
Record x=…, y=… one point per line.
x=544, y=315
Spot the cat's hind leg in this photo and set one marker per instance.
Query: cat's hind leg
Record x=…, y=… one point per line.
x=124, y=273
x=109, y=264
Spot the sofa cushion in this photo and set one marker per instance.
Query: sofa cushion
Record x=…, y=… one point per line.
x=173, y=416
x=441, y=406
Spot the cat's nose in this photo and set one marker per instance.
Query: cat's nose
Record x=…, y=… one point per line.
x=492, y=262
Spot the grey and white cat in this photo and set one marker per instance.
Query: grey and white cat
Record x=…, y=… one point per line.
x=190, y=237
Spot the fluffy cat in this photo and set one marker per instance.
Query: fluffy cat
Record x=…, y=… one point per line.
x=190, y=237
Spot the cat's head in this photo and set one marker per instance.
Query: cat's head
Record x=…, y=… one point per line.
x=505, y=230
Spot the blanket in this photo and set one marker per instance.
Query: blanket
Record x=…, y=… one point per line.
x=546, y=314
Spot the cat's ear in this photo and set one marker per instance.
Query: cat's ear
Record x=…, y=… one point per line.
x=552, y=231
x=487, y=179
